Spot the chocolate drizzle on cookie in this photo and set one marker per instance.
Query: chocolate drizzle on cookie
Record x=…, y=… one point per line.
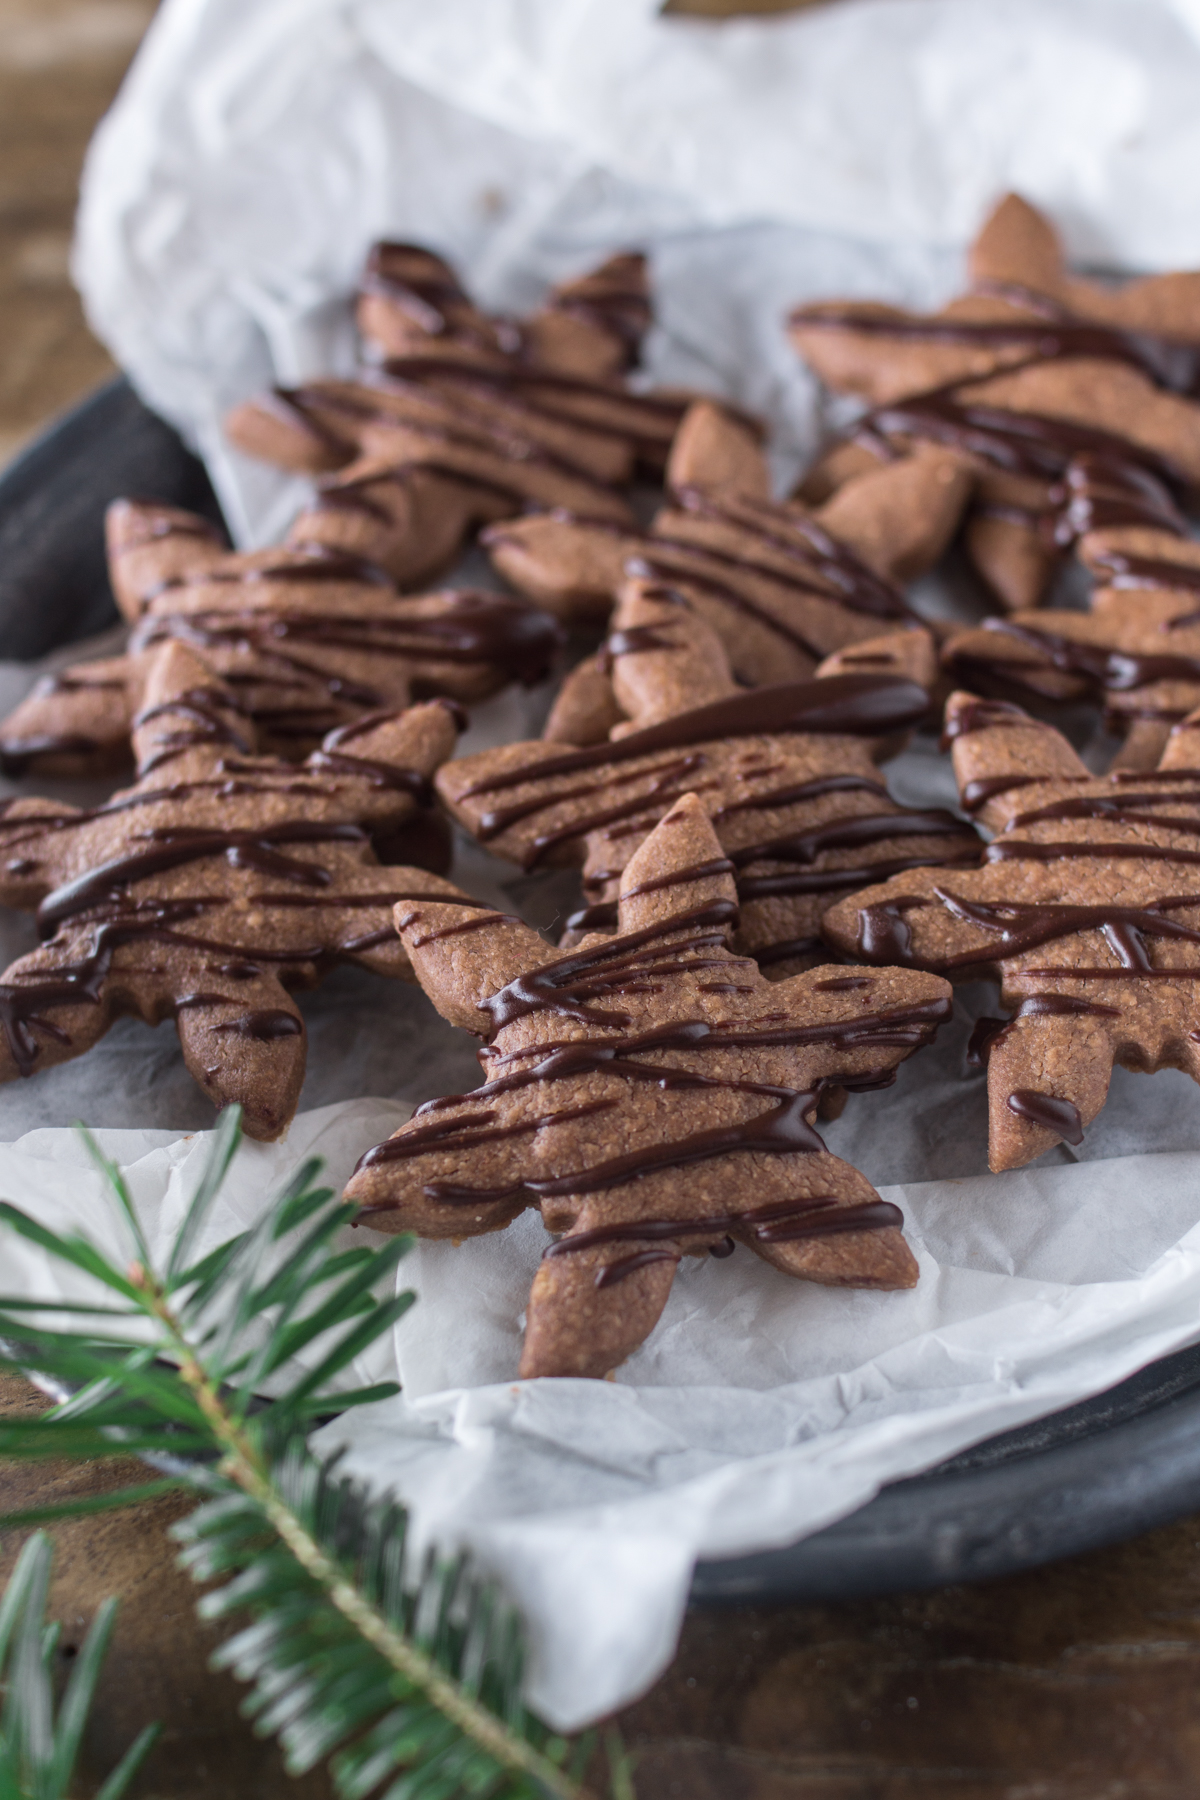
x=1056, y=334
x=582, y=1048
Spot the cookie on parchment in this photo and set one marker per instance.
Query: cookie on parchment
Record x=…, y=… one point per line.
x=212, y=888
x=653, y=1095
x=1085, y=906
x=786, y=773
x=1137, y=650
x=308, y=638
x=1039, y=383
x=459, y=418
x=782, y=587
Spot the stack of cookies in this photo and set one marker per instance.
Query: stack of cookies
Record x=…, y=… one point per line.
x=762, y=927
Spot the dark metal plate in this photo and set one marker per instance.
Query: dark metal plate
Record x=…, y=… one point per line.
x=1091, y=1475
x=53, y=579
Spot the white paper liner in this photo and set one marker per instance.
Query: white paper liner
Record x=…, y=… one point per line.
x=260, y=146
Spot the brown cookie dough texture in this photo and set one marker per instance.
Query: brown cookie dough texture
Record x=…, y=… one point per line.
x=458, y=418
x=785, y=772
x=653, y=1095
x=309, y=639
x=218, y=883
x=782, y=587
x=1086, y=908
x=1073, y=406
x=1137, y=650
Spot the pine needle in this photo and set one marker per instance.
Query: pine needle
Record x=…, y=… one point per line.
x=405, y=1677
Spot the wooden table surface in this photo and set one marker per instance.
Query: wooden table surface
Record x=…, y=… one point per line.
x=1078, y=1682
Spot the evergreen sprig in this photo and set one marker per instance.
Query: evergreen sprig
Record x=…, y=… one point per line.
x=39, y=1742
x=408, y=1676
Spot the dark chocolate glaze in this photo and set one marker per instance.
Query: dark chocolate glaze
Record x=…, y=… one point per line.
x=1170, y=362
x=1022, y=443
x=804, y=790
x=561, y=986
x=264, y=1026
x=1047, y=1110
x=526, y=387
x=1021, y=850
x=612, y=1273
x=1121, y=569
x=255, y=849
x=781, y=1131
x=977, y=793
x=634, y=641
x=1018, y=926
x=421, y=285
x=672, y=569
x=987, y=1033
x=489, y=442
x=76, y=681
x=718, y=865
x=16, y=754
x=378, y=774
x=471, y=627
x=1113, y=671
x=845, y=880
x=1099, y=493
x=484, y=922
x=315, y=564
x=785, y=1221
x=1120, y=807
x=862, y=705
x=803, y=541
x=212, y=720
x=982, y=715
x=848, y=831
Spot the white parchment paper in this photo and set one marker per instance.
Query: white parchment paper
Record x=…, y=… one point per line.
x=257, y=149
x=259, y=146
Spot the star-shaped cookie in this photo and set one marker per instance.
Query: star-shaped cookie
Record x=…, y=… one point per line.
x=782, y=587
x=1086, y=908
x=1137, y=649
x=653, y=1095
x=1020, y=377
x=786, y=773
x=459, y=418
x=211, y=888
x=309, y=639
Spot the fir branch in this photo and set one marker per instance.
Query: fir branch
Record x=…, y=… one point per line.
x=39, y=1748
x=406, y=1678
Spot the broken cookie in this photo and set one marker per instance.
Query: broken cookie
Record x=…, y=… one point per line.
x=218, y=883
x=307, y=637
x=653, y=1095
x=786, y=773
x=1085, y=907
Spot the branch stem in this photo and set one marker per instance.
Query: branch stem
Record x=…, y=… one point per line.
x=243, y=1463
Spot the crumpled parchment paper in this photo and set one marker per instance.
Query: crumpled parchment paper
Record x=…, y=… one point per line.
x=259, y=146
